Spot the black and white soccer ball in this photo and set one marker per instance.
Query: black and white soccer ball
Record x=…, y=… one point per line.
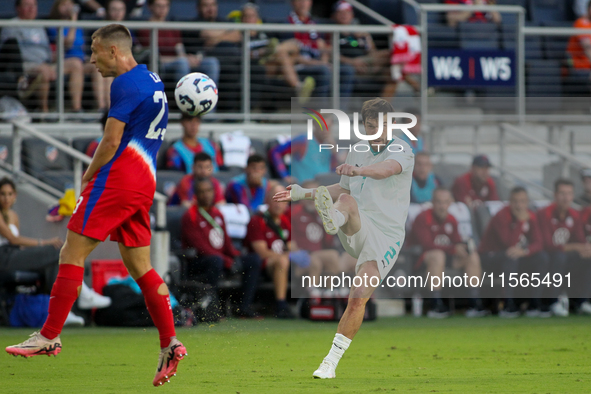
x=196, y=94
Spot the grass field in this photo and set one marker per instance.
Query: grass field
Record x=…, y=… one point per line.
x=459, y=355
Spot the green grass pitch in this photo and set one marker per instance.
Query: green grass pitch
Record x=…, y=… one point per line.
x=402, y=355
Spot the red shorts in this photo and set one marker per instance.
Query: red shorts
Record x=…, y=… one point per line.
x=122, y=214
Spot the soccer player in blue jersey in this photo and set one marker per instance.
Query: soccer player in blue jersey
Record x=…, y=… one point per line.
x=117, y=193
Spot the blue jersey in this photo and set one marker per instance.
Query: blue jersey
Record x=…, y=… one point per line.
x=138, y=100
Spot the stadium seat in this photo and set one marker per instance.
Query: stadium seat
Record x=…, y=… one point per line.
x=548, y=10
x=391, y=9
x=182, y=10
x=173, y=226
x=46, y=163
x=9, y=281
x=543, y=78
x=533, y=44
x=272, y=11
x=442, y=36
x=161, y=158
x=448, y=172
x=226, y=175
x=166, y=181
x=555, y=46
x=81, y=144
x=258, y=146
x=478, y=35
x=44, y=8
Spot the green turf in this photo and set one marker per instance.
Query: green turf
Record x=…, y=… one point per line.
x=404, y=355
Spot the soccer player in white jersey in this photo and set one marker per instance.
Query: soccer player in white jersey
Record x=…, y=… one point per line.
x=369, y=212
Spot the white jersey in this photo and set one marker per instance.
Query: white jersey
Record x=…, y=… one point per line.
x=385, y=202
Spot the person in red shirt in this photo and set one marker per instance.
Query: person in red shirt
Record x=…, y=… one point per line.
x=202, y=169
x=476, y=186
x=268, y=236
x=586, y=220
x=436, y=232
x=455, y=17
x=316, y=254
x=512, y=243
x=579, y=47
x=173, y=58
x=564, y=241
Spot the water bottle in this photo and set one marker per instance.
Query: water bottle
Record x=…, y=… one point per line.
x=417, y=305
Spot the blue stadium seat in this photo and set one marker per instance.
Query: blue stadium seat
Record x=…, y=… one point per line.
x=274, y=11
x=391, y=9
x=478, y=35
x=183, y=10
x=548, y=10
x=43, y=8
x=533, y=44
x=555, y=46
x=543, y=78
x=442, y=36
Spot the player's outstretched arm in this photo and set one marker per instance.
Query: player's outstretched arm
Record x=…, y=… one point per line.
x=296, y=193
x=106, y=149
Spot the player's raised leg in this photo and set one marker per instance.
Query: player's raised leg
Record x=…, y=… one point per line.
x=155, y=291
x=64, y=293
x=342, y=214
x=350, y=321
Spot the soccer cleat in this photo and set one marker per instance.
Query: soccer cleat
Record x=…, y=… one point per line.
x=91, y=299
x=326, y=370
x=36, y=345
x=558, y=309
x=510, y=310
x=168, y=361
x=326, y=210
x=584, y=308
x=477, y=312
x=438, y=311
x=74, y=320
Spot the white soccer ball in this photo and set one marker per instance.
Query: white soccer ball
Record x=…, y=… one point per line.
x=196, y=94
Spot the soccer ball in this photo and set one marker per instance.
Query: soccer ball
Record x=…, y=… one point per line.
x=196, y=94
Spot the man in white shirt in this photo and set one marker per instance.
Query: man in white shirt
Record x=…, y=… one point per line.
x=369, y=213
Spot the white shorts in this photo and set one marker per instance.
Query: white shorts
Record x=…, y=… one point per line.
x=371, y=244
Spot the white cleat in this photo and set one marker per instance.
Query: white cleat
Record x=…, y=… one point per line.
x=326, y=370
x=90, y=299
x=558, y=309
x=74, y=320
x=325, y=208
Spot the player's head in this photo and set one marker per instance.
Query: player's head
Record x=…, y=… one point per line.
x=250, y=13
x=370, y=113
x=190, y=125
x=518, y=200
x=586, y=178
x=207, y=9
x=480, y=168
x=7, y=193
x=309, y=204
x=275, y=208
x=256, y=169
x=202, y=165
x=203, y=190
x=301, y=7
x=159, y=9
x=61, y=9
x=116, y=10
x=442, y=199
x=564, y=193
x=110, y=45
x=26, y=9
x=423, y=166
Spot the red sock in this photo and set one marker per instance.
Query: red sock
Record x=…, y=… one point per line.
x=158, y=306
x=63, y=295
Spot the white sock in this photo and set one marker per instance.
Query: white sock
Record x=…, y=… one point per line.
x=339, y=345
x=339, y=219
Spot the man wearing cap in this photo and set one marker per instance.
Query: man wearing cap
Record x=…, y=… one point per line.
x=585, y=199
x=476, y=186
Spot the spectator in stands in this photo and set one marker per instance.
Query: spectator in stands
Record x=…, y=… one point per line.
x=455, y=17
x=307, y=160
x=436, y=232
x=181, y=154
x=203, y=229
x=512, y=243
x=214, y=43
x=476, y=186
x=316, y=254
x=418, y=145
x=564, y=241
x=39, y=255
x=35, y=50
x=424, y=181
x=252, y=187
x=314, y=59
x=586, y=219
x=580, y=8
x=75, y=64
x=269, y=237
x=278, y=58
x=579, y=47
x=173, y=57
x=131, y=8
x=92, y=6
x=585, y=198
x=202, y=169
x=358, y=49
x=405, y=59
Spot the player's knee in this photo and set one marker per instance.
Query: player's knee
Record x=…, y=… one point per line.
x=283, y=263
x=357, y=300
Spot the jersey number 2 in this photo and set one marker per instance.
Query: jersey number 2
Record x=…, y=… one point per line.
x=153, y=132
